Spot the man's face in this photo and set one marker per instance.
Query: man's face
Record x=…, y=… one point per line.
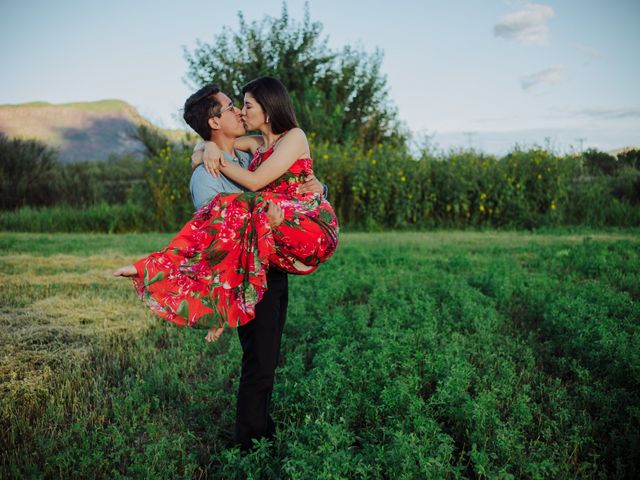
x=228, y=122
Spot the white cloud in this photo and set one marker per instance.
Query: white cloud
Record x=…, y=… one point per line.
x=610, y=113
x=591, y=52
x=551, y=76
x=527, y=26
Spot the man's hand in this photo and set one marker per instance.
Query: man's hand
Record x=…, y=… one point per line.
x=311, y=184
x=213, y=158
x=275, y=215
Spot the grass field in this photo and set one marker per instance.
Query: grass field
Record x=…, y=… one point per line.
x=408, y=355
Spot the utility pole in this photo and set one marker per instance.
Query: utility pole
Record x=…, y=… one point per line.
x=469, y=136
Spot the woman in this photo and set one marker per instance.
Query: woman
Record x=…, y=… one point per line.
x=214, y=271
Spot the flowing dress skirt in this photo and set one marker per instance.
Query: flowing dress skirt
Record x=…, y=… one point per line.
x=214, y=270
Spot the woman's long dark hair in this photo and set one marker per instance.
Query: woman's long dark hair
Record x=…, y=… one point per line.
x=274, y=99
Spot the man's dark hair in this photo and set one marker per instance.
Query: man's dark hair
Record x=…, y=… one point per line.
x=274, y=99
x=200, y=107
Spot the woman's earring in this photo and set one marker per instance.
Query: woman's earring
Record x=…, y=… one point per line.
x=267, y=121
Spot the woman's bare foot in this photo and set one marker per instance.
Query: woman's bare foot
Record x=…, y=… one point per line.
x=214, y=334
x=128, y=271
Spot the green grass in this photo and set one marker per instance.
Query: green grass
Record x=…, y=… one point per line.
x=408, y=355
x=96, y=218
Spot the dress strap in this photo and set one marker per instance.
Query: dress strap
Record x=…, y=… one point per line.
x=279, y=138
x=274, y=143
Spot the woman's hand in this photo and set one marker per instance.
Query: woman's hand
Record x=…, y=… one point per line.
x=196, y=158
x=213, y=158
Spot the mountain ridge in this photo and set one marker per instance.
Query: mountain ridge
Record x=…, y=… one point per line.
x=92, y=130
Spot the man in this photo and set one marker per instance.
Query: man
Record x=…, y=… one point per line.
x=213, y=116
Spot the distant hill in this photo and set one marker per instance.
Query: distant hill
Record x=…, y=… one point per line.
x=79, y=131
x=622, y=150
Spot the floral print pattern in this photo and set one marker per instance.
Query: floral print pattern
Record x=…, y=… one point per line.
x=214, y=270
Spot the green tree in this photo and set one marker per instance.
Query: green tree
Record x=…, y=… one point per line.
x=599, y=163
x=25, y=172
x=341, y=96
x=630, y=158
x=163, y=191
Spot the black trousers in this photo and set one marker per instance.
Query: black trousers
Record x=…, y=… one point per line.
x=260, y=340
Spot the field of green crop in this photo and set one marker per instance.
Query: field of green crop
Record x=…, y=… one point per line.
x=408, y=355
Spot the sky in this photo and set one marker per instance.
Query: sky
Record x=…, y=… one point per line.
x=486, y=74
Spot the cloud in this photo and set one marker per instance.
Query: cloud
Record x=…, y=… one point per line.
x=610, y=113
x=527, y=26
x=552, y=76
x=596, y=113
x=592, y=52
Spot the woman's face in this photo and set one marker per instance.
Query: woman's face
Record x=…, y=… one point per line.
x=252, y=114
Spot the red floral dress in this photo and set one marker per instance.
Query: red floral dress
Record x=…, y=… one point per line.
x=214, y=270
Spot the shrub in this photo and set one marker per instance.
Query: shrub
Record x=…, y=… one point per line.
x=630, y=158
x=384, y=186
x=25, y=170
x=599, y=163
x=165, y=192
